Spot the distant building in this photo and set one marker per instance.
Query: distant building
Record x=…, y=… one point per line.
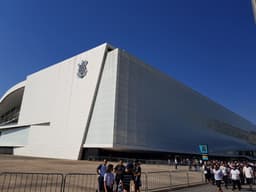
x=106, y=102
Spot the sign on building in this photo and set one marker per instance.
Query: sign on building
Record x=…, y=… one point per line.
x=204, y=151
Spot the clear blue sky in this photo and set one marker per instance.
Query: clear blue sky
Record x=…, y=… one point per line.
x=208, y=45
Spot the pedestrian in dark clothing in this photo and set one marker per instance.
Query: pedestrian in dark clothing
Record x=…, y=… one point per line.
x=137, y=174
x=127, y=177
x=119, y=171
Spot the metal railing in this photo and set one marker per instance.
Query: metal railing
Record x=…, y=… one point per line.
x=31, y=182
x=87, y=182
x=162, y=180
x=80, y=182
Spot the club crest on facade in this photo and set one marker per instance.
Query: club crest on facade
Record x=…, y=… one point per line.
x=82, y=69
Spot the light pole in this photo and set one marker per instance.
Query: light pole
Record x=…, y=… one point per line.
x=254, y=9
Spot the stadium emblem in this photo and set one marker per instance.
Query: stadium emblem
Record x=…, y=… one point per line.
x=82, y=69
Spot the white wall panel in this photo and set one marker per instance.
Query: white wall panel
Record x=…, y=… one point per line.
x=101, y=128
x=39, y=96
x=58, y=96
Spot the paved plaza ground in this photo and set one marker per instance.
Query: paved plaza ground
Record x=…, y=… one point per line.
x=212, y=188
x=10, y=163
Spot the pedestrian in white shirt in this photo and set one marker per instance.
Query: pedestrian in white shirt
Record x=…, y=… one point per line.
x=225, y=172
x=248, y=173
x=235, y=177
x=218, y=176
x=109, y=179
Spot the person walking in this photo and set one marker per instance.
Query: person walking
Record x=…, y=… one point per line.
x=176, y=163
x=207, y=173
x=127, y=177
x=218, y=176
x=225, y=172
x=109, y=179
x=248, y=174
x=101, y=170
x=119, y=171
x=137, y=174
x=235, y=177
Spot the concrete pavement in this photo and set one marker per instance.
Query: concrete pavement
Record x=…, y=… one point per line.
x=213, y=188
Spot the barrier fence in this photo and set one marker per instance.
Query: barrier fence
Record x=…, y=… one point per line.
x=79, y=182
x=87, y=182
x=31, y=182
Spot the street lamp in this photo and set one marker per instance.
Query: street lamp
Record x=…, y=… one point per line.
x=254, y=9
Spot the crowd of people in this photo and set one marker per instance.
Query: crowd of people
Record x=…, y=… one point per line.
x=118, y=178
x=234, y=174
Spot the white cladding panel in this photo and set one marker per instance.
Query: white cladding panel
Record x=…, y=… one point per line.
x=101, y=129
x=39, y=96
x=14, y=137
x=58, y=96
x=155, y=112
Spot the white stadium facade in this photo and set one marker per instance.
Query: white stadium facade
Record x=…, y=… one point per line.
x=106, y=102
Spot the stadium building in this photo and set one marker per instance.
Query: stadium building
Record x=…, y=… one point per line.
x=107, y=102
